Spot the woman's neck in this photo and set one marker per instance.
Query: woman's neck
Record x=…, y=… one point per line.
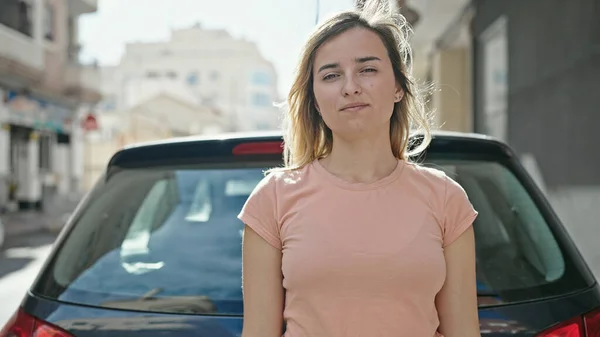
x=363, y=160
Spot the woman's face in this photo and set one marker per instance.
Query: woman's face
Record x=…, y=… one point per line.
x=354, y=84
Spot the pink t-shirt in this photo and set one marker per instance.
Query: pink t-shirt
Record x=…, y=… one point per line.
x=360, y=259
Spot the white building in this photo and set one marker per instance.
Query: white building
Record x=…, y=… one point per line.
x=206, y=67
x=42, y=86
x=160, y=117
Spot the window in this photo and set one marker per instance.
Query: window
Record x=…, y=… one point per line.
x=73, y=46
x=193, y=78
x=516, y=249
x=171, y=234
x=261, y=78
x=152, y=74
x=46, y=142
x=261, y=100
x=49, y=22
x=172, y=75
x=18, y=15
x=493, y=52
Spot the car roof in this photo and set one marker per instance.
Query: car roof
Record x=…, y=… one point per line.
x=183, y=150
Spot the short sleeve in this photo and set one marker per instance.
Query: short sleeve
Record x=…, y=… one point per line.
x=459, y=213
x=260, y=211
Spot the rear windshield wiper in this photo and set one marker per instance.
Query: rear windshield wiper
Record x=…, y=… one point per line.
x=168, y=304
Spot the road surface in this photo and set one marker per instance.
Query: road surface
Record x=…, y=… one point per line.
x=20, y=262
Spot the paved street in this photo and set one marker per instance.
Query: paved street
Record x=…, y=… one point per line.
x=20, y=262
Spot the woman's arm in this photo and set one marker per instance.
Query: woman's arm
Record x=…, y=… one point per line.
x=262, y=287
x=457, y=301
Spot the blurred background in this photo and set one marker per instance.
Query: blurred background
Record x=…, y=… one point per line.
x=80, y=79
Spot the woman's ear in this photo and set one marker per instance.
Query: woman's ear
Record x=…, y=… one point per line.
x=398, y=95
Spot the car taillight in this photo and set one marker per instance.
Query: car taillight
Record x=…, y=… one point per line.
x=24, y=325
x=258, y=148
x=586, y=326
x=592, y=323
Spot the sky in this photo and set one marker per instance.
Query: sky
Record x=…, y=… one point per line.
x=279, y=27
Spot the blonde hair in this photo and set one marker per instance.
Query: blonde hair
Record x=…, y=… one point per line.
x=306, y=136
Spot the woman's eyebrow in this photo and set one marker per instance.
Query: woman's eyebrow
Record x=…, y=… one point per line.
x=357, y=60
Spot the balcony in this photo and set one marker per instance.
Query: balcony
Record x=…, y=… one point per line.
x=21, y=58
x=78, y=7
x=82, y=83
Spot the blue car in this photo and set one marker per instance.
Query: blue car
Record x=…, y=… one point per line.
x=155, y=248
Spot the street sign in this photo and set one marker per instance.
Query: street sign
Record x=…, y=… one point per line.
x=90, y=123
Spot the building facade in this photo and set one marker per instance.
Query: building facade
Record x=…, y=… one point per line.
x=209, y=67
x=42, y=88
x=539, y=83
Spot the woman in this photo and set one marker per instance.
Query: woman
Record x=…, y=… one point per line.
x=350, y=238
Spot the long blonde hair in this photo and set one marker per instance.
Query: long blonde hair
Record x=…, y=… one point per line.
x=306, y=136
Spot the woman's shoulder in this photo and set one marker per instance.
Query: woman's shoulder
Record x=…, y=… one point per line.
x=282, y=177
x=439, y=180
x=272, y=191
x=430, y=175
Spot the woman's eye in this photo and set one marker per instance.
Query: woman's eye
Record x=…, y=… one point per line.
x=369, y=70
x=329, y=76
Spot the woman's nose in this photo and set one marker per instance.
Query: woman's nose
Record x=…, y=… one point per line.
x=351, y=86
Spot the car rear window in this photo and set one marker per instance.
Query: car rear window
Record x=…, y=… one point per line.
x=168, y=240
